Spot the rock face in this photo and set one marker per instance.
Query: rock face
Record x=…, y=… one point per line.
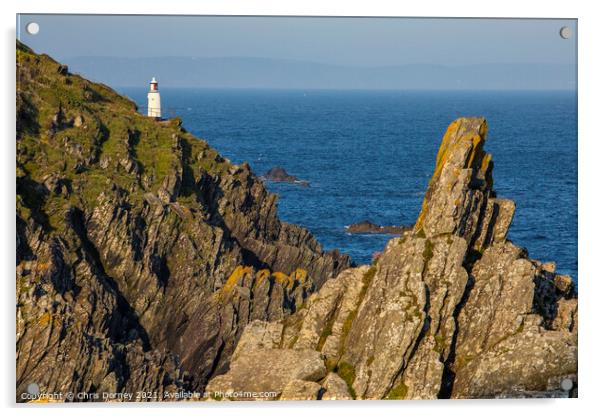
x=368, y=227
x=278, y=174
x=451, y=310
x=141, y=253
x=259, y=362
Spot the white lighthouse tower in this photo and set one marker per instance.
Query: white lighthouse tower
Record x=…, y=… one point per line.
x=154, y=100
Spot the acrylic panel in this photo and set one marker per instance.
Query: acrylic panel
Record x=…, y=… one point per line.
x=216, y=208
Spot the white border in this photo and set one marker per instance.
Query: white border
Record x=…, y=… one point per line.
x=590, y=132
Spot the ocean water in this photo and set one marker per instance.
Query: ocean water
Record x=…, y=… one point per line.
x=370, y=154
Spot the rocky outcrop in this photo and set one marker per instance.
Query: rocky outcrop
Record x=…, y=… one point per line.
x=141, y=253
x=523, y=327
x=278, y=174
x=452, y=309
x=368, y=227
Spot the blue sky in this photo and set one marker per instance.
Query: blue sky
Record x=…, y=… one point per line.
x=531, y=51
x=345, y=41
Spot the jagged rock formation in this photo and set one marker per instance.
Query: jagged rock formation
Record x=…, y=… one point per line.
x=141, y=253
x=452, y=309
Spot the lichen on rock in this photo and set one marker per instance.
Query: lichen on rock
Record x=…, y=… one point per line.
x=452, y=309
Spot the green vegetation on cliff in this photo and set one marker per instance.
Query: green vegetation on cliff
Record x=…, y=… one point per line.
x=82, y=138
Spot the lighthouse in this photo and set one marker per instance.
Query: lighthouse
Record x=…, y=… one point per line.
x=154, y=100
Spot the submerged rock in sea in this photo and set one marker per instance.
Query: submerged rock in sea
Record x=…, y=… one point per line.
x=451, y=309
x=278, y=174
x=368, y=227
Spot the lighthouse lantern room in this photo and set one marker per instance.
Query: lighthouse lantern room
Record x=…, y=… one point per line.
x=154, y=100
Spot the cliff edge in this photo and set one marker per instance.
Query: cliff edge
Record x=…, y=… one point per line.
x=141, y=252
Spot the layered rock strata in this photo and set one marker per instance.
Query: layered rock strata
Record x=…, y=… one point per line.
x=141, y=253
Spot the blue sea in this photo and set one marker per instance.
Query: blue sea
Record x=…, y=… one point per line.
x=369, y=155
